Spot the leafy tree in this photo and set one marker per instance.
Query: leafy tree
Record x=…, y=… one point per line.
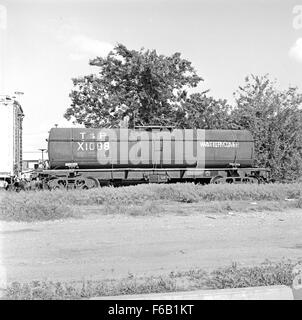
x=142, y=85
x=274, y=117
x=203, y=112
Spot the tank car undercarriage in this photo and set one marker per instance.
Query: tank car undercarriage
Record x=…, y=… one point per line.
x=87, y=179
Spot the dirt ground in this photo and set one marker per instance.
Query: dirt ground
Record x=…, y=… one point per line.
x=112, y=246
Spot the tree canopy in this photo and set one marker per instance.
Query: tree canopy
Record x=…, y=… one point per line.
x=205, y=112
x=274, y=117
x=147, y=87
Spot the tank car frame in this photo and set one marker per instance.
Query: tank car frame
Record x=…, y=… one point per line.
x=90, y=178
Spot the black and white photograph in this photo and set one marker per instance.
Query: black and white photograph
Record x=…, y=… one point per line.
x=150, y=150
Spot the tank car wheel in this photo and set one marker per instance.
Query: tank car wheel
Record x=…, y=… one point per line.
x=94, y=183
x=55, y=184
x=80, y=184
x=217, y=180
x=86, y=183
x=252, y=180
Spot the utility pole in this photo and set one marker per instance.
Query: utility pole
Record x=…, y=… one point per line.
x=17, y=95
x=42, y=150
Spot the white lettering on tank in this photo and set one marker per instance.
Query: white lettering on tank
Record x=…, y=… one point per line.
x=106, y=145
x=82, y=135
x=103, y=135
x=219, y=144
x=80, y=146
x=91, y=146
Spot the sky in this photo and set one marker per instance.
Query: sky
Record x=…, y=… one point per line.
x=46, y=43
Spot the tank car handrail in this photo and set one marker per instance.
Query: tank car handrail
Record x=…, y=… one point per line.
x=154, y=127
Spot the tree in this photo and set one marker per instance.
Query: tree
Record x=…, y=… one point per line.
x=142, y=85
x=203, y=112
x=274, y=117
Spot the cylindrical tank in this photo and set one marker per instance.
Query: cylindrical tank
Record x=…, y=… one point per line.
x=179, y=148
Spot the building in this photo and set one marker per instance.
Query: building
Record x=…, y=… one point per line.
x=32, y=158
x=11, y=120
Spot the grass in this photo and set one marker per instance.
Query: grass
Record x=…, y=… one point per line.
x=161, y=207
x=144, y=199
x=268, y=273
x=34, y=207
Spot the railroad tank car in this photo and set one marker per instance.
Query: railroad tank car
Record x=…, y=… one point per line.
x=179, y=148
x=87, y=157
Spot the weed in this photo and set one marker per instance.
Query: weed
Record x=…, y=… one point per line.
x=142, y=199
x=268, y=273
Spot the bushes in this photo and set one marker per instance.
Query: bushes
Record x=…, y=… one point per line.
x=148, y=208
x=34, y=206
x=189, y=192
x=49, y=205
x=268, y=273
x=48, y=290
x=181, y=192
x=270, y=192
x=274, y=118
